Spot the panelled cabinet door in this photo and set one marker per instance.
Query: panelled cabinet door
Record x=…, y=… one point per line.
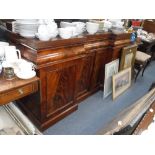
x=60, y=90
x=99, y=68
x=116, y=53
x=108, y=58
x=84, y=70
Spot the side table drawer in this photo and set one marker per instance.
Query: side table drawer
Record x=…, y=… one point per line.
x=17, y=93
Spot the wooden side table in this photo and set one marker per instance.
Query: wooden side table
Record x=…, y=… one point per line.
x=11, y=90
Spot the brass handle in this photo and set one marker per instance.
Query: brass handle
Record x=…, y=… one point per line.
x=20, y=91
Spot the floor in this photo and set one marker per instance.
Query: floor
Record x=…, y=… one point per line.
x=95, y=112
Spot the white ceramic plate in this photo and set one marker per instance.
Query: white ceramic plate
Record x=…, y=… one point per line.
x=29, y=22
x=28, y=76
x=27, y=35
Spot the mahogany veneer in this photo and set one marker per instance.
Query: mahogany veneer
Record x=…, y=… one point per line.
x=69, y=70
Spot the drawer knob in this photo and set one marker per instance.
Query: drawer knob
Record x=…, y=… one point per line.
x=20, y=91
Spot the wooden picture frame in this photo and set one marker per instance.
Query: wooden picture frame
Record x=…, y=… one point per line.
x=121, y=82
x=128, y=57
x=110, y=69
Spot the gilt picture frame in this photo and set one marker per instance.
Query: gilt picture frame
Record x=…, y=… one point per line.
x=128, y=57
x=110, y=69
x=121, y=82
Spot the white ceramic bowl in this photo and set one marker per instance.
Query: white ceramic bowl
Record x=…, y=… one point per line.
x=52, y=30
x=43, y=37
x=92, y=28
x=74, y=31
x=66, y=24
x=107, y=24
x=65, y=33
x=70, y=26
x=53, y=35
x=80, y=26
x=42, y=29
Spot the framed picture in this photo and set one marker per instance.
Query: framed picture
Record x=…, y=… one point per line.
x=110, y=69
x=121, y=82
x=128, y=57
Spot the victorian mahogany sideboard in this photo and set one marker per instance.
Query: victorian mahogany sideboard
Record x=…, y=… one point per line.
x=69, y=70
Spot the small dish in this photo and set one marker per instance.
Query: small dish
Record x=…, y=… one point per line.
x=26, y=76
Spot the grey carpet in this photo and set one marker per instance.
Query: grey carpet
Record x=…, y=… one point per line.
x=95, y=112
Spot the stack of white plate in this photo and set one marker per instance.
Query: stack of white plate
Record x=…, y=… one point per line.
x=26, y=27
x=77, y=27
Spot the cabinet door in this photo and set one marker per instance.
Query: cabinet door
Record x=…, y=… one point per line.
x=99, y=68
x=116, y=53
x=84, y=70
x=60, y=82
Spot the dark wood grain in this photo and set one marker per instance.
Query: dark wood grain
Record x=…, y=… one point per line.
x=69, y=70
x=61, y=79
x=99, y=66
x=85, y=69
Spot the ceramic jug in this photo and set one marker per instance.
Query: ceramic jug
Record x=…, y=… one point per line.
x=12, y=54
x=2, y=52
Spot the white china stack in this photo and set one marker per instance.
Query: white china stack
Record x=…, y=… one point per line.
x=100, y=22
x=26, y=27
x=91, y=27
x=107, y=25
x=73, y=29
x=47, y=30
x=80, y=27
x=66, y=33
x=117, y=26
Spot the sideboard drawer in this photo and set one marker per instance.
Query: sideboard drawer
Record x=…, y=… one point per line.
x=17, y=93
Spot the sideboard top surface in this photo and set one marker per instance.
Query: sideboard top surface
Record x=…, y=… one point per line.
x=38, y=45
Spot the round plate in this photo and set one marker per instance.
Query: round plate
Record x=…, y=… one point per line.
x=28, y=76
x=27, y=35
x=29, y=22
